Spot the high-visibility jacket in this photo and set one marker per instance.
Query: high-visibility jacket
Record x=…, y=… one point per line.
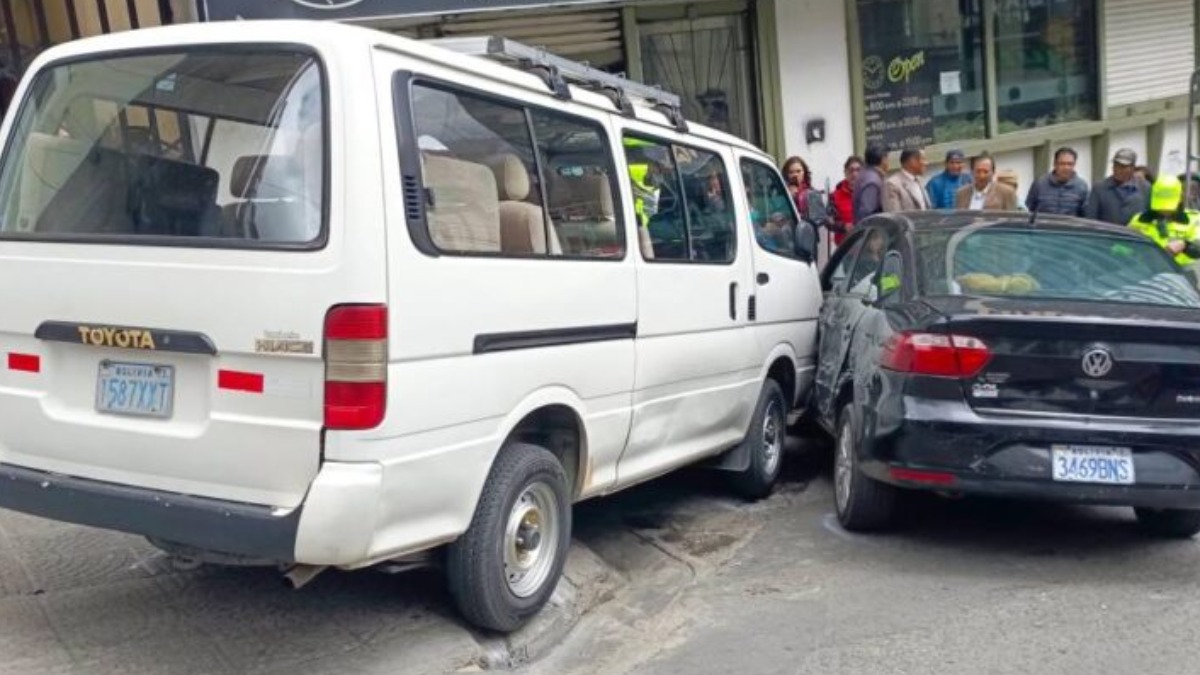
x=645, y=196
x=1182, y=225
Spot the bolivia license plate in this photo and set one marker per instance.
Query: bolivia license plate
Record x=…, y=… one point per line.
x=1092, y=464
x=139, y=389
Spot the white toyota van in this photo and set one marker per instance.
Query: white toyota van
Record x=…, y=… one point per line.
x=312, y=295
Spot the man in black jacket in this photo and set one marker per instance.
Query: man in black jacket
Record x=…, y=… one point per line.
x=1061, y=191
x=869, y=186
x=1122, y=195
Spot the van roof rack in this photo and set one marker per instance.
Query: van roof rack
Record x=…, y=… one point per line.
x=557, y=72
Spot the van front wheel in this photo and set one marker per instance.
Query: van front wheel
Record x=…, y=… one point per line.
x=503, y=569
x=765, y=441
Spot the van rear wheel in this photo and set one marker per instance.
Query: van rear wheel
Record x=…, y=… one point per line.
x=503, y=569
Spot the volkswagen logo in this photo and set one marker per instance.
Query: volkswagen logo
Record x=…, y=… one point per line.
x=1097, y=362
x=327, y=4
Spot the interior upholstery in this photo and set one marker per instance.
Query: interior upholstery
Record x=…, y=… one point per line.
x=465, y=215
x=583, y=210
x=522, y=224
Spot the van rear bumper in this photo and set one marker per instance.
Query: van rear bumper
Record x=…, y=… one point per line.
x=209, y=524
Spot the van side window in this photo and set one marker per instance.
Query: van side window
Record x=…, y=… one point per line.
x=681, y=200
x=771, y=212
x=478, y=165
x=577, y=163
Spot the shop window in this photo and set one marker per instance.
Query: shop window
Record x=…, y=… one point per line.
x=923, y=67
x=1045, y=63
x=922, y=73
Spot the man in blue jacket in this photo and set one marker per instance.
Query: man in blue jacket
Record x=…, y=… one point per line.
x=1061, y=191
x=943, y=187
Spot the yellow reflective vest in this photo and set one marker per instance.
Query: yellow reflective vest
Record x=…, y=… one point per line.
x=1184, y=226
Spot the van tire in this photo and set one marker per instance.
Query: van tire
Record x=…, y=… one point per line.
x=863, y=504
x=765, y=444
x=497, y=576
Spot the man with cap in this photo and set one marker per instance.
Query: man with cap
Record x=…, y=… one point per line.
x=1168, y=224
x=1122, y=195
x=943, y=187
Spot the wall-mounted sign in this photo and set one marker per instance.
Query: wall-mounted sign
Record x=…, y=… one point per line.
x=898, y=93
x=219, y=10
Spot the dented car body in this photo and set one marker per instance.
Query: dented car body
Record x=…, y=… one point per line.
x=1056, y=359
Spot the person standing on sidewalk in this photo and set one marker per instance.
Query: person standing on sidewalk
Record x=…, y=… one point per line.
x=904, y=191
x=1122, y=195
x=1061, y=191
x=985, y=193
x=943, y=187
x=868, y=188
x=841, y=202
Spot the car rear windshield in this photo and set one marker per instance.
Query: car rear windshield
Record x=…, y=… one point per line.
x=1049, y=264
x=203, y=147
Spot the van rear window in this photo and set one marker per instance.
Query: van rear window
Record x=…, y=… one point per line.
x=203, y=147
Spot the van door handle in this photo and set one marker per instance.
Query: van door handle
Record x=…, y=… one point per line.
x=763, y=278
x=733, y=301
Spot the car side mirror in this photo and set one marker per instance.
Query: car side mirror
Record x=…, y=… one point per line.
x=806, y=241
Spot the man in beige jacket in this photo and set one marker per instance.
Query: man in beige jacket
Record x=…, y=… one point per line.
x=903, y=191
x=985, y=193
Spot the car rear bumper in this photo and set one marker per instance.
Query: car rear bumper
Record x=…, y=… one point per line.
x=945, y=445
x=247, y=530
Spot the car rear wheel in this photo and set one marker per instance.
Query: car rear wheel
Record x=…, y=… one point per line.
x=504, y=568
x=1171, y=523
x=768, y=432
x=863, y=504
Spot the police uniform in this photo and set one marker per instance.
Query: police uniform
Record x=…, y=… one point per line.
x=1166, y=222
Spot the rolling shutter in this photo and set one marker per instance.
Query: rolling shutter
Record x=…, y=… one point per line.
x=593, y=36
x=1149, y=49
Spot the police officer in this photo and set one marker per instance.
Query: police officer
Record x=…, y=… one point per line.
x=1168, y=224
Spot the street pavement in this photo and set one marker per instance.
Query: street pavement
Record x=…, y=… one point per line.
x=678, y=576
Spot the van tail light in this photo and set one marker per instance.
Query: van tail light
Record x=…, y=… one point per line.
x=935, y=354
x=355, y=366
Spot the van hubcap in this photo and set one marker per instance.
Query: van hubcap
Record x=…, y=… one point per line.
x=772, y=438
x=843, y=468
x=531, y=540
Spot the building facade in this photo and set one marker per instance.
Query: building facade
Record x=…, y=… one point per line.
x=815, y=78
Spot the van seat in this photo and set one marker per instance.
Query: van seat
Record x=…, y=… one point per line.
x=522, y=224
x=582, y=210
x=465, y=214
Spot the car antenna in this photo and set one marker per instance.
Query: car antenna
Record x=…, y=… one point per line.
x=1033, y=217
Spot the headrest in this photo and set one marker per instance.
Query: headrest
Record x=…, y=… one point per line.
x=512, y=180
x=246, y=180
x=247, y=171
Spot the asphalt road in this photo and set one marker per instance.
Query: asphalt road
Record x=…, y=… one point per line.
x=966, y=586
x=707, y=585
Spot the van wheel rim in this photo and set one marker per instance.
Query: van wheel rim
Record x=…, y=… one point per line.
x=843, y=469
x=772, y=435
x=531, y=540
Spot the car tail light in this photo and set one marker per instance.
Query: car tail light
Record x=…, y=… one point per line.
x=935, y=354
x=355, y=366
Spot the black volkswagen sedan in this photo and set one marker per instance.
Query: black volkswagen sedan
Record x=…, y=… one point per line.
x=988, y=353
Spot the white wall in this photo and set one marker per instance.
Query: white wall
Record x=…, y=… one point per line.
x=1174, y=148
x=1134, y=139
x=815, y=73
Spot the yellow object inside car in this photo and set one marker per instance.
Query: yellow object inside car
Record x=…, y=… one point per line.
x=1015, y=284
